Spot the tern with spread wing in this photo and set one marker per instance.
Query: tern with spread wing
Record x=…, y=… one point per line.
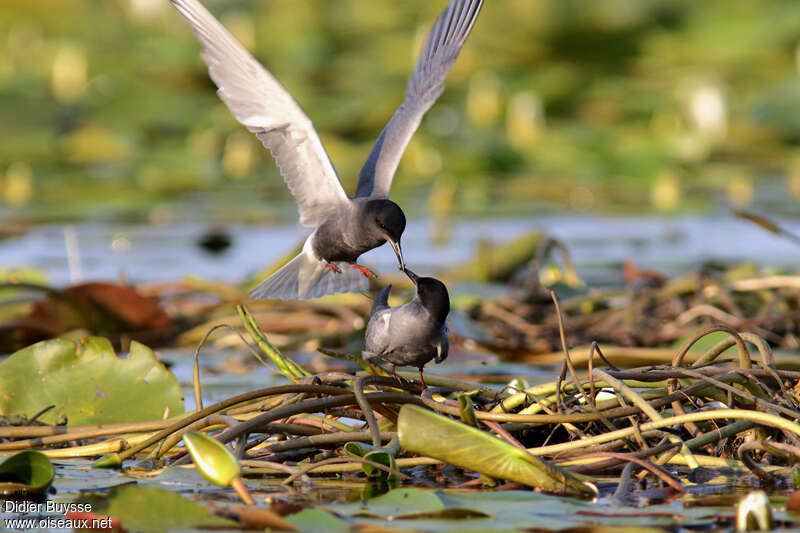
x=343, y=227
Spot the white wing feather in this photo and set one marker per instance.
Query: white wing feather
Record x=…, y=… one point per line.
x=425, y=85
x=260, y=102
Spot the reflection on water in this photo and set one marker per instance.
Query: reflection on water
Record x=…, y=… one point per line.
x=599, y=245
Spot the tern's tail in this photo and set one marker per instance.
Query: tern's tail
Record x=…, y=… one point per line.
x=305, y=277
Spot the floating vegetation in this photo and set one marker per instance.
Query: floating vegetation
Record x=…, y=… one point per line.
x=707, y=408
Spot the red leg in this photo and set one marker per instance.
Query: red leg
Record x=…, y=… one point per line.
x=367, y=273
x=333, y=268
x=422, y=379
x=394, y=372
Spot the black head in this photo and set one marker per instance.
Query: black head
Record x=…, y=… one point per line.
x=433, y=295
x=386, y=220
x=388, y=217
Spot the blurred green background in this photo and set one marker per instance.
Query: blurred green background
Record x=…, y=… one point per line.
x=106, y=109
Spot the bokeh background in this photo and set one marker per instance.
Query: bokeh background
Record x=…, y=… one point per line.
x=107, y=113
x=553, y=104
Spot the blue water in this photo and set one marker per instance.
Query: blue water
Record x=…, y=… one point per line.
x=599, y=245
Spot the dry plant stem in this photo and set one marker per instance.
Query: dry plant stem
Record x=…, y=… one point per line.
x=220, y=406
x=650, y=374
x=750, y=397
x=785, y=451
x=290, y=429
x=15, y=432
x=736, y=414
x=242, y=491
x=98, y=448
x=325, y=424
x=602, y=406
x=767, y=358
x=611, y=446
x=198, y=396
x=735, y=376
x=567, y=360
x=646, y=409
x=435, y=380
x=173, y=439
x=270, y=464
x=212, y=420
x=497, y=428
x=260, y=405
x=567, y=364
x=624, y=486
x=658, y=472
x=615, y=412
x=583, y=461
x=406, y=462
x=744, y=355
x=325, y=440
x=312, y=406
x=338, y=460
x=539, y=405
x=734, y=428
x=592, y=391
x=358, y=390
x=770, y=282
x=546, y=389
x=91, y=433
x=672, y=384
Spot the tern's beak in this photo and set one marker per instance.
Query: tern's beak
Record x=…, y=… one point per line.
x=397, y=251
x=413, y=277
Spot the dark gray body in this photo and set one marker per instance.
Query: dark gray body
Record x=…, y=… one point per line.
x=407, y=335
x=342, y=237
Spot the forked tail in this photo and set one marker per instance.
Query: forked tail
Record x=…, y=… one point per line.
x=305, y=277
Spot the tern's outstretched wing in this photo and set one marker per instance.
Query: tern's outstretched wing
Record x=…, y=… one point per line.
x=424, y=87
x=260, y=102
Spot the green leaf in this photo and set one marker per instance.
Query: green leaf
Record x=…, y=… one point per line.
x=426, y=433
x=88, y=383
x=212, y=458
x=26, y=473
x=383, y=455
x=450, y=510
x=151, y=510
x=286, y=366
x=318, y=521
x=395, y=503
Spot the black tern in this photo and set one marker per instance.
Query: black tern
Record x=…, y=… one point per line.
x=411, y=334
x=344, y=227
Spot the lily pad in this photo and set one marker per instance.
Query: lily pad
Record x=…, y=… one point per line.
x=88, y=383
x=26, y=473
x=395, y=504
x=152, y=510
x=318, y=521
x=76, y=475
x=447, y=510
